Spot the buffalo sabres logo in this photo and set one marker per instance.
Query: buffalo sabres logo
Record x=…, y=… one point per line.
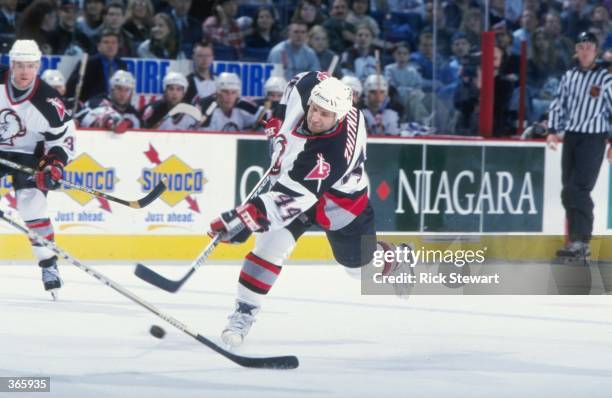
x=10, y=127
x=59, y=106
x=320, y=172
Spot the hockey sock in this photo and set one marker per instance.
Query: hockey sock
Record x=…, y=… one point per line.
x=256, y=278
x=42, y=227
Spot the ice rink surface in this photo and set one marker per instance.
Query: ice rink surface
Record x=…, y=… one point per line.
x=96, y=343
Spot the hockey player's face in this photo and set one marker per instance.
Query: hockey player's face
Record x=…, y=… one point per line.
x=174, y=94
x=376, y=97
x=121, y=95
x=227, y=99
x=24, y=73
x=274, y=96
x=319, y=119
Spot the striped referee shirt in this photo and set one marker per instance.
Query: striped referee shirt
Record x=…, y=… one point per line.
x=583, y=103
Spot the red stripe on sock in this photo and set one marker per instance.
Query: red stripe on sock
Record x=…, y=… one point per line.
x=41, y=224
x=255, y=282
x=263, y=263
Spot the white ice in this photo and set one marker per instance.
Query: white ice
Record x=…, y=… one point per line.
x=96, y=343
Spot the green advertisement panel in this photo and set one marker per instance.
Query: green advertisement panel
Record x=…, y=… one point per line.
x=419, y=186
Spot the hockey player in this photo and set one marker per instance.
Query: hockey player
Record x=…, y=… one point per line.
x=38, y=132
x=155, y=115
x=318, y=178
x=55, y=79
x=381, y=116
x=356, y=86
x=112, y=112
x=274, y=88
x=226, y=111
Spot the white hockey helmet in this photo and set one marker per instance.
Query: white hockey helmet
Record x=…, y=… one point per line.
x=53, y=77
x=228, y=81
x=25, y=50
x=275, y=84
x=175, y=78
x=375, y=83
x=333, y=95
x=353, y=83
x=122, y=78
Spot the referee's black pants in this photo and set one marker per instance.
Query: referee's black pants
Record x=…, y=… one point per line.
x=580, y=164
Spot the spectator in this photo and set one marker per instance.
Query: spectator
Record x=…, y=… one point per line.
x=552, y=28
x=408, y=83
x=466, y=99
x=423, y=59
x=357, y=88
x=309, y=12
x=189, y=28
x=293, y=53
x=99, y=68
x=113, y=18
x=139, y=20
x=381, y=117
x=341, y=34
x=112, y=111
x=545, y=61
x=461, y=49
x=444, y=34
x=529, y=23
x=360, y=60
x=222, y=28
x=471, y=25
x=503, y=40
x=8, y=16
x=201, y=80
x=231, y=113
x=265, y=29
x=358, y=15
x=65, y=39
x=576, y=17
x=600, y=19
x=317, y=40
x=156, y=114
x=164, y=43
x=90, y=23
x=37, y=22
x=454, y=10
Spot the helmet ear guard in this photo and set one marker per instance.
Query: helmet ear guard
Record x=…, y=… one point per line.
x=333, y=95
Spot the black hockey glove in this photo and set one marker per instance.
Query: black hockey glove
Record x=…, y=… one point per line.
x=49, y=174
x=235, y=226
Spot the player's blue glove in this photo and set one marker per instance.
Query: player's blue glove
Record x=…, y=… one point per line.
x=235, y=226
x=49, y=174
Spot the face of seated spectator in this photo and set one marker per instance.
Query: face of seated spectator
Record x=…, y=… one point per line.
x=160, y=29
x=401, y=55
x=472, y=21
x=23, y=73
x=297, y=34
x=121, y=95
x=600, y=15
x=202, y=59
x=307, y=12
x=552, y=24
x=318, y=39
x=540, y=42
x=174, y=94
x=140, y=9
x=586, y=53
x=426, y=46
x=529, y=21
x=93, y=9
x=461, y=47
x=363, y=38
x=360, y=7
x=49, y=22
x=109, y=46
x=497, y=58
x=339, y=9
x=230, y=8
x=429, y=12
x=114, y=17
x=226, y=99
x=264, y=20
x=181, y=7
x=319, y=119
x=503, y=38
x=67, y=16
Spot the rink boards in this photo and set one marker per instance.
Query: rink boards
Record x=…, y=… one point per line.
x=506, y=193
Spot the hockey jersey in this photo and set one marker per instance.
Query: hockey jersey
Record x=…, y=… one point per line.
x=100, y=109
x=325, y=171
x=34, y=119
x=198, y=88
x=155, y=116
x=383, y=122
x=244, y=116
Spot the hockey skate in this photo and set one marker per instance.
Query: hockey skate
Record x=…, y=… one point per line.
x=575, y=252
x=240, y=322
x=398, y=267
x=50, y=276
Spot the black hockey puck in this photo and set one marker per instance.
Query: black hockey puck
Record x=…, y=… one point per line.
x=157, y=331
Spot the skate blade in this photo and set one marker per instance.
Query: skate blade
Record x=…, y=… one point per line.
x=54, y=294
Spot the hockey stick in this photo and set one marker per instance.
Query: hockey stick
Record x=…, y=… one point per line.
x=79, y=85
x=332, y=64
x=194, y=112
x=152, y=277
x=282, y=362
x=134, y=204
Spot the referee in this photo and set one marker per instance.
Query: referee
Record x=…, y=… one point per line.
x=582, y=109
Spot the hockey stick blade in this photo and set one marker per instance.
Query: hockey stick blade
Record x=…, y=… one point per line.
x=280, y=362
x=159, y=189
x=152, y=277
